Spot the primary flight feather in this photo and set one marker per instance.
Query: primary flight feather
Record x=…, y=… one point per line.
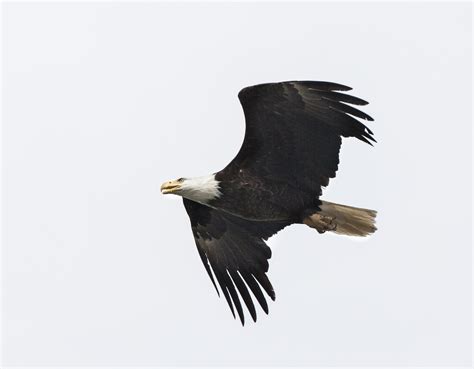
x=290, y=151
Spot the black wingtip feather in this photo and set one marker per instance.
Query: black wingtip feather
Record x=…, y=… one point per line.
x=222, y=284
x=347, y=109
x=370, y=138
x=367, y=134
x=338, y=97
x=362, y=138
x=255, y=288
x=265, y=283
x=244, y=293
x=324, y=86
x=233, y=294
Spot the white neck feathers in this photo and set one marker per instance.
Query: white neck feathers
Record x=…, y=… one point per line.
x=200, y=189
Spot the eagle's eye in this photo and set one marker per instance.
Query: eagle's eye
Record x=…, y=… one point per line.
x=180, y=179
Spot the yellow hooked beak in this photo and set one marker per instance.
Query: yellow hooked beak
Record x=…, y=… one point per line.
x=170, y=187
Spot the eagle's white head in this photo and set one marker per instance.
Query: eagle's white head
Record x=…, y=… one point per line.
x=199, y=189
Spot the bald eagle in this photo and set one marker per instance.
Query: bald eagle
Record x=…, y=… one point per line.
x=290, y=151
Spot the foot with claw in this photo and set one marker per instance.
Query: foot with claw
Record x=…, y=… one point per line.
x=320, y=222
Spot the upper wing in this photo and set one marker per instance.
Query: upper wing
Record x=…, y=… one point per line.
x=235, y=250
x=293, y=132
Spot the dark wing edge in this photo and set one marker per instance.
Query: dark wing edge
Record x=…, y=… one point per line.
x=233, y=251
x=323, y=102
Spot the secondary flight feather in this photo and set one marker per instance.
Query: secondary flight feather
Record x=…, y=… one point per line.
x=290, y=151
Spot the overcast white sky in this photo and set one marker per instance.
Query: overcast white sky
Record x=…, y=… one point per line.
x=105, y=101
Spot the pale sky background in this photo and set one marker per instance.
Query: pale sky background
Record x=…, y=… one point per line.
x=105, y=101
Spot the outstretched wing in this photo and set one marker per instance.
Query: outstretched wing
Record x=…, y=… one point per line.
x=235, y=250
x=293, y=135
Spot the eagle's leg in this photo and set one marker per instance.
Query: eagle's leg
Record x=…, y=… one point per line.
x=321, y=223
